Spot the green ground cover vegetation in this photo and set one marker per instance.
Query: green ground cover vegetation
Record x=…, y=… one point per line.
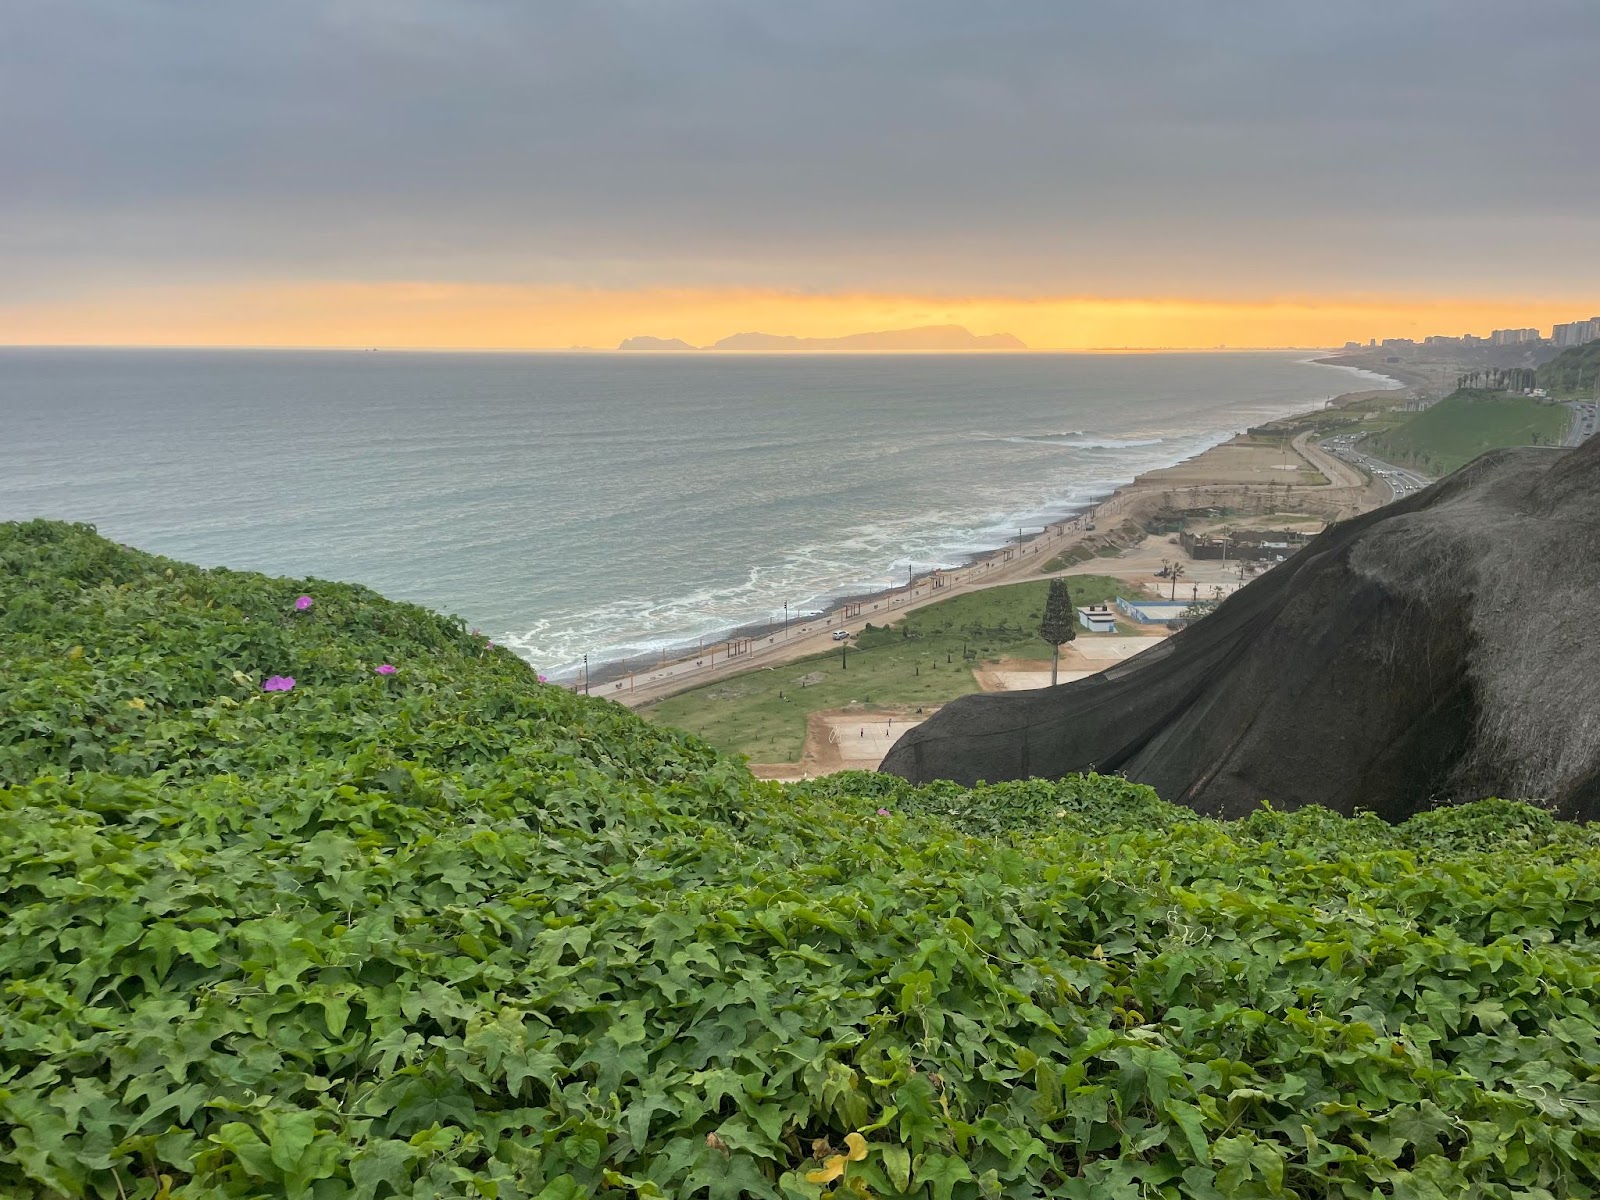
x=448, y=932
x=1574, y=373
x=1467, y=423
x=927, y=658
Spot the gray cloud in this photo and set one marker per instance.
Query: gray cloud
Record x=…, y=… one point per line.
x=1042, y=146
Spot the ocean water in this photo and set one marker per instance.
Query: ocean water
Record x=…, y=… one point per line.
x=606, y=504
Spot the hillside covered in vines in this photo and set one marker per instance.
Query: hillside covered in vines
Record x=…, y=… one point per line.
x=306, y=893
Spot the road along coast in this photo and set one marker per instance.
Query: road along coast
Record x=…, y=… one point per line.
x=1276, y=467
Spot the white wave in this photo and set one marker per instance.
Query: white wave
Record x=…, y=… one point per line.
x=1079, y=440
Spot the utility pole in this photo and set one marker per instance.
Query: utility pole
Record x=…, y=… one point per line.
x=585, y=674
x=786, y=620
x=844, y=656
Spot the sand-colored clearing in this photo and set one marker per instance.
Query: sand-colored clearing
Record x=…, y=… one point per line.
x=851, y=739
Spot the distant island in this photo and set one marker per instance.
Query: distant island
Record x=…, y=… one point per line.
x=655, y=345
x=923, y=337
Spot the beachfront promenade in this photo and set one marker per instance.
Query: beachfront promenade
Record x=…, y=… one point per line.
x=1345, y=492
x=815, y=636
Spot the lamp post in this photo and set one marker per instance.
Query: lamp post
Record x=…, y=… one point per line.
x=585, y=674
x=786, y=620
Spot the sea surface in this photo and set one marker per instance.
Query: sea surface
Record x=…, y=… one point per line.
x=602, y=504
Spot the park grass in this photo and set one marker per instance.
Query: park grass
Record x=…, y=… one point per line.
x=1466, y=424
x=925, y=659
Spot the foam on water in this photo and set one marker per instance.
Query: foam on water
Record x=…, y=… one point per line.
x=598, y=504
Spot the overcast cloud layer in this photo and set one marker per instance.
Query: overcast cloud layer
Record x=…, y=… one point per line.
x=1206, y=148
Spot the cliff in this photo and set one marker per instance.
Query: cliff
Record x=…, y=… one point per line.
x=1440, y=649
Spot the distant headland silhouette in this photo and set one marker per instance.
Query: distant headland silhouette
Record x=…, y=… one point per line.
x=923, y=337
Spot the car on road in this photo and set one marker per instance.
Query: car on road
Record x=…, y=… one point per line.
x=841, y=635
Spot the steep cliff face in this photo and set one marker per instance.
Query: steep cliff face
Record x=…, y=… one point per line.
x=1444, y=648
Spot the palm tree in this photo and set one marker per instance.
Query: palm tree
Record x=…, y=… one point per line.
x=1177, y=573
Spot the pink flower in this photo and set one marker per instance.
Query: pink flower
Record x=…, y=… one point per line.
x=489, y=646
x=884, y=812
x=385, y=668
x=542, y=679
x=278, y=683
x=302, y=603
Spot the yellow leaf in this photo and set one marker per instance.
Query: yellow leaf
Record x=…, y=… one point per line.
x=136, y=702
x=75, y=652
x=1099, y=952
x=857, y=1146
x=165, y=1191
x=830, y=1171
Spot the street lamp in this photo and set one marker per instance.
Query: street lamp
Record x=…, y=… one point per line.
x=785, y=620
x=585, y=674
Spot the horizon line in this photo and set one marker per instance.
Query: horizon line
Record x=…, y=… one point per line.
x=362, y=348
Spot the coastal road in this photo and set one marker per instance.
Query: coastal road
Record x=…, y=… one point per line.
x=1585, y=421
x=1400, y=481
x=1011, y=564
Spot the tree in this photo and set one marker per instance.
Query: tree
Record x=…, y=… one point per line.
x=1175, y=575
x=1060, y=622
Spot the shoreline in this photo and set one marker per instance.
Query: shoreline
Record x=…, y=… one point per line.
x=737, y=648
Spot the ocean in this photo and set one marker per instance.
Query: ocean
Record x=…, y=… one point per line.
x=606, y=504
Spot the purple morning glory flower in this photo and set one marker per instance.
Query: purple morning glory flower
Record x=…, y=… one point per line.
x=542, y=679
x=302, y=603
x=884, y=812
x=278, y=683
x=385, y=668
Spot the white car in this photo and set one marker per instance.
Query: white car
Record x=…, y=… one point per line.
x=841, y=635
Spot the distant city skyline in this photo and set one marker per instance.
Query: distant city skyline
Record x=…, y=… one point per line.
x=500, y=175
x=1562, y=334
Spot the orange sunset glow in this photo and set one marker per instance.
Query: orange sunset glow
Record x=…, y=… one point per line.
x=467, y=317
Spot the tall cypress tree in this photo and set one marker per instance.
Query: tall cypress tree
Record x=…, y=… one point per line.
x=1060, y=623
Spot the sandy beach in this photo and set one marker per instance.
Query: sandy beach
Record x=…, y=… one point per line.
x=1256, y=472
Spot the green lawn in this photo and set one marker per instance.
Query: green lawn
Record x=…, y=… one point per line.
x=926, y=659
x=1462, y=426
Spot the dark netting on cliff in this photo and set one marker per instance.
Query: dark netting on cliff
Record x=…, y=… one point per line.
x=1441, y=649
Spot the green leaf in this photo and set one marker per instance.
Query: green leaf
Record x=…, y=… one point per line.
x=897, y=1166
x=941, y=1173
x=246, y=1146
x=387, y=1161
x=1189, y=1119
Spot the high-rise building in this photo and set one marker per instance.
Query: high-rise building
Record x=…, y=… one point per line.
x=1576, y=333
x=1513, y=337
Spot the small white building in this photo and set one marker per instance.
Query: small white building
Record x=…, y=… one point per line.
x=1098, y=619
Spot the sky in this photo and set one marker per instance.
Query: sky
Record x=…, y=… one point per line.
x=474, y=173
